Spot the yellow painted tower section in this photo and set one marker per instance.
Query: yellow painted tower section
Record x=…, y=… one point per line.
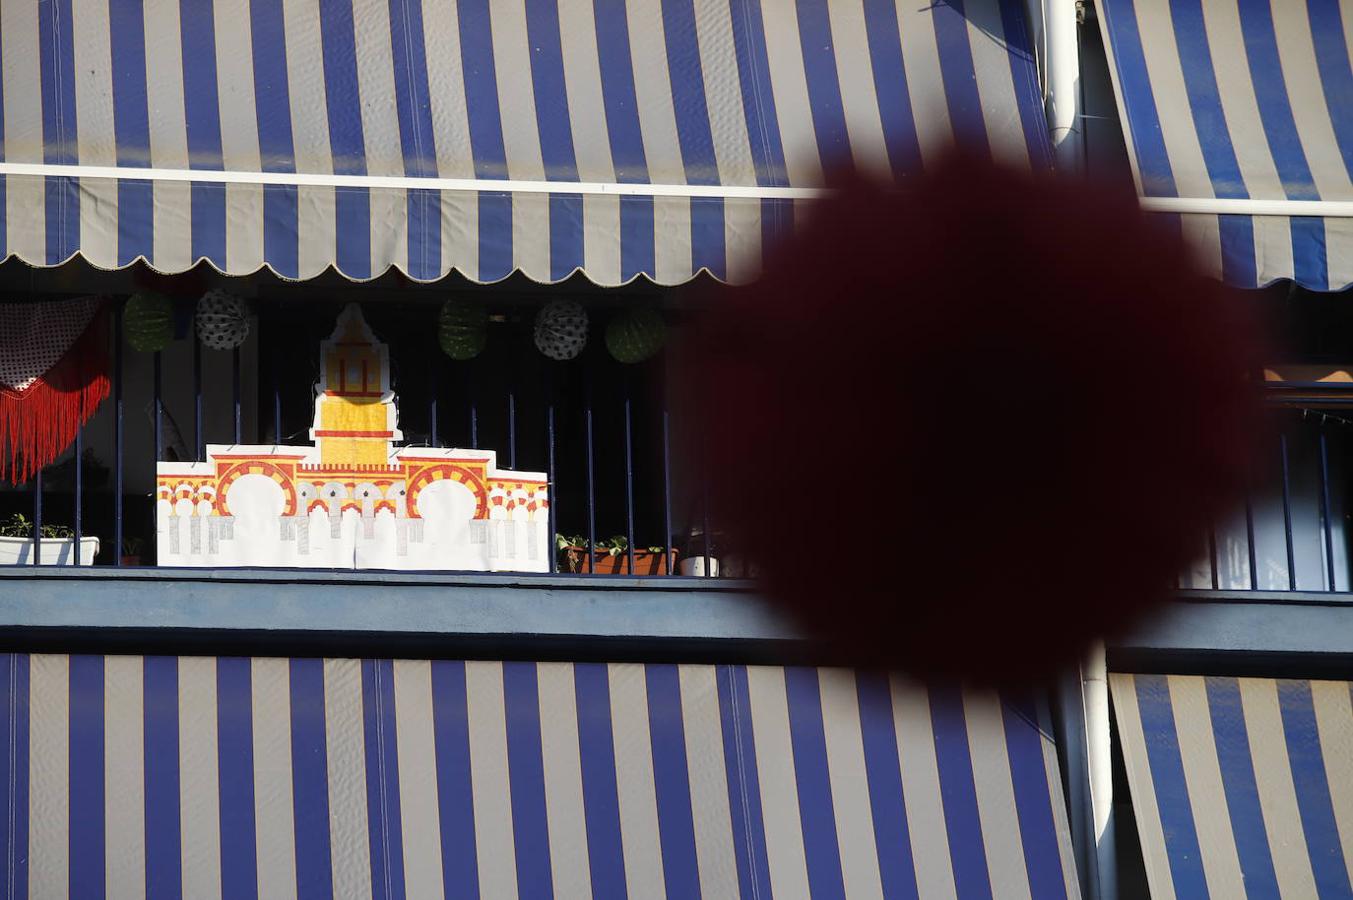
x=355, y=413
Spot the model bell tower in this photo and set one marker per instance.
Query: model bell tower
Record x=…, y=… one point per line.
x=355, y=417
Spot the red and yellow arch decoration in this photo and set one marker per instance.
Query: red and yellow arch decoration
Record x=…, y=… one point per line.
x=228, y=473
x=425, y=475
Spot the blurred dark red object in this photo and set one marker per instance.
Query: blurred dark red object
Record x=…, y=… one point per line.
x=968, y=427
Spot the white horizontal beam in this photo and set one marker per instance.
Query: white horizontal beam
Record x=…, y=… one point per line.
x=1248, y=207
x=1205, y=205
x=491, y=185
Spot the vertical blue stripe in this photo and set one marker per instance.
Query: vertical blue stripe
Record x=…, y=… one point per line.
x=617, y=91
x=878, y=734
x=601, y=805
x=890, y=85
x=1238, y=262
x=1313, y=789
x=481, y=90
x=556, y=135
x=816, y=811
x=1139, y=101
x=455, y=795
x=777, y=223
x=409, y=57
x=707, y=236
x=1242, y=794
x=824, y=87
x=1033, y=797
x=1028, y=92
x=14, y=758
x=566, y=235
x=486, y=138
x=60, y=138
x=417, y=141
x=495, y=236
x=526, y=773
x=638, y=245
x=688, y=92
x=1275, y=108
x=744, y=785
x=202, y=113
x=637, y=253
x=1310, y=254
x=347, y=143
x=235, y=758
x=758, y=100
x=382, y=780
x=958, y=793
x=1310, y=267
x=1336, y=73
x=671, y=779
x=424, y=211
x=352, y=228
x=86, y=777
x=551, y=98
x=1200, y=83
x=960, y=78
x=272, y=102
x=131, y=127
x=272, y=92
x=1172, y=791
x=281, y=229
x=164, y=856
x=310, y=780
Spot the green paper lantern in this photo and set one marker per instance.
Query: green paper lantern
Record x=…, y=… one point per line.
x=148, y=322
x=636, y=335
x=462, y=329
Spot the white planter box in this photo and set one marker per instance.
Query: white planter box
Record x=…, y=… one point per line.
x=15, y=551
x=700, y=565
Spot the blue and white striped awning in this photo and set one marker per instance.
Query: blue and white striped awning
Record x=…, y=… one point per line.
x=232, y=777
x=1239, y=119
x=1243, y=787
x=616, y=137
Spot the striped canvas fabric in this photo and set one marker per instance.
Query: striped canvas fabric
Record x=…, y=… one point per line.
x=231, y=777
x=1227, y=99
x=1241, y=786
x=584, y=98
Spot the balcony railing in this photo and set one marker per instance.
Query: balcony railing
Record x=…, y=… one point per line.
x=604, y=432
x=1291, y=532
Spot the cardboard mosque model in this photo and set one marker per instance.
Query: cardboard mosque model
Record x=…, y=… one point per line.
x=353, y=500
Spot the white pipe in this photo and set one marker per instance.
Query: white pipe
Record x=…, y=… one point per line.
x=218, y=176
x=1095, y=689
x=1071, y=738
x=1244, y=206
x=1062, y=101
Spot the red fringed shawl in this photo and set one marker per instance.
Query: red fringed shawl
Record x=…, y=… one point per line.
x=53, y=375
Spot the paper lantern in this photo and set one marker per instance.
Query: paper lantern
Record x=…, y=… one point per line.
x=968, y=428
x=222, y=320
x=561, y=329
x=636, y=335
x=462, y=329
x=148, y=322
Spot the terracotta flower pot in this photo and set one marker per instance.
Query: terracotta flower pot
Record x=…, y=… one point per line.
x=603, y=563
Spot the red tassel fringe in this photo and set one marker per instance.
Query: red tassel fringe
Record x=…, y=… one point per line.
x=40, y=422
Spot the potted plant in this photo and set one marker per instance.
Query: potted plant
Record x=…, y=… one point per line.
x=612, y=557
x=58, y=544
x=131, y=550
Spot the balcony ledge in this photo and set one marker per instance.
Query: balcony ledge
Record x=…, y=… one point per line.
x=366, y=613
x=1271, y=633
